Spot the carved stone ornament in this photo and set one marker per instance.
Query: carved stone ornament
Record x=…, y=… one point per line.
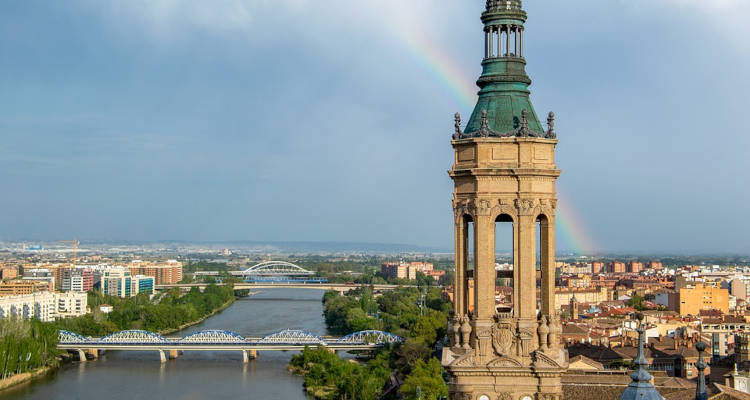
x=504, y=396
x=506, y=362
x=502, y=339
x=484, y=207
x=543, y=360
x=525, y=206
x=465, y=361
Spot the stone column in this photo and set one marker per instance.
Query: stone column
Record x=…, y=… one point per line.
x=484, y=281
x=507, y=40
x=520, y=41
x=492, y=33
x=547, y=228
x=526, y=285
x=460, y=265
x=517, y=51
x=499, y=40
x=487, y=34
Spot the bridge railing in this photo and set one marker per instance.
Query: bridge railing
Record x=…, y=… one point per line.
x=292, y=337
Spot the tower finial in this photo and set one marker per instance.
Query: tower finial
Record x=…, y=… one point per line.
x=484, y=127
x=700, y=390
x=524, y=131
x=457, y=134
x=641, y=387
x=551, y=126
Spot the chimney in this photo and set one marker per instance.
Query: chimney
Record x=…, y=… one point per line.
x=661, y=338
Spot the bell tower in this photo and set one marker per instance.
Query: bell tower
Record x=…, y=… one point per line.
x=504, y=172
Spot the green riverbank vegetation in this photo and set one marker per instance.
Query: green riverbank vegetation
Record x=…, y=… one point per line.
x=165, y=312
x=26, y=346
x=418, y=315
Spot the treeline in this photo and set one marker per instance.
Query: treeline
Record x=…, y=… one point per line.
x=419, y=316
x=26, y=345
x=167, y=311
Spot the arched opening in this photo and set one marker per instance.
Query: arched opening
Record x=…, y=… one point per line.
x=505, y=261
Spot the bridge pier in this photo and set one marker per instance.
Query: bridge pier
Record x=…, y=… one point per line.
x=162, y=356
x=173, y=354
x=249, y=355
x=94, y=353
x=81, y=355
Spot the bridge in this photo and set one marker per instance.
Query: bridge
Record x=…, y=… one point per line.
x=339, y=287
x=273, y=269
x=220, y=340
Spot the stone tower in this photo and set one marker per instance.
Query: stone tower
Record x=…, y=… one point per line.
x=504, y=172
x=573, y=308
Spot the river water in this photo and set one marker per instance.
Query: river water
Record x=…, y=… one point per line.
x=198, y=375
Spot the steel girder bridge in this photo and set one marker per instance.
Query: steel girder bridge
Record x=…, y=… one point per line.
x=220, y=340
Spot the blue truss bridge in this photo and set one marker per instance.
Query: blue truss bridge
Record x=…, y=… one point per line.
x=220, y=340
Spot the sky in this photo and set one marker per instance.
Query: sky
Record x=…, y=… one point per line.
x=330, y=120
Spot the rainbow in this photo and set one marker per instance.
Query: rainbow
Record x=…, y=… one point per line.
x=455, y=80
x=438, y=63
x=570, y=228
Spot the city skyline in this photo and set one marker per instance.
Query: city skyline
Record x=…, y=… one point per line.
x=170, y=120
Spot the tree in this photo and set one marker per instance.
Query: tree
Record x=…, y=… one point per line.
x=427, y=378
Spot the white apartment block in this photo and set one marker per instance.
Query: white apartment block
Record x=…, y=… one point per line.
x=45, y=306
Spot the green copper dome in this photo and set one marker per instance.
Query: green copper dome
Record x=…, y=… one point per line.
x=504, y=84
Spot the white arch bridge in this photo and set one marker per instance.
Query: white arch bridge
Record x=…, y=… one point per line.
x=274, y=269
x=221, y=340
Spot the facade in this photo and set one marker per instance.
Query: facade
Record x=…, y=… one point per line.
x=654, y=265
x=45, y=306
x=692, y=299
x=8, y=273
x=504, y=172
x=119, y=282
x=738, y=288
x=594, y=295
x=71, y=304
x=597, y=267
x=19, y=287
x=77, y=280
x=617, y=267
x=168, y=273
x=635, y=267
x=408, y=270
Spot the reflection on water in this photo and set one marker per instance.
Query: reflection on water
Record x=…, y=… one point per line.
x=196, y=375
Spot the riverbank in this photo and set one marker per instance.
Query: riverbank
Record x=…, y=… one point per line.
x=25, y=377
x=114, y=374
x=198, y=321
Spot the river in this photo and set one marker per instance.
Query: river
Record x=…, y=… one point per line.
x=199, y=375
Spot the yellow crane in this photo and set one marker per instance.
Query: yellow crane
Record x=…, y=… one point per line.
x=74, y=242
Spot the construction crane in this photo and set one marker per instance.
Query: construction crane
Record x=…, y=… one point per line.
x=75, y=248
